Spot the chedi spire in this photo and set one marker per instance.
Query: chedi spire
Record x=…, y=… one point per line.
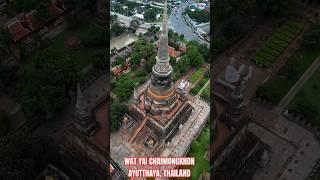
x=84, y=119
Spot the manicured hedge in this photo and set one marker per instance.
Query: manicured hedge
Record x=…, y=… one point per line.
x=277, y=43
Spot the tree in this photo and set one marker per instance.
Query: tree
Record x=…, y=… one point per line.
x=117, y=29
x=311, y=39
x=117, y=111
x=47, y=90
x=24, y=5
x=200, y=16
x=85, y=4
x=151, y=62
x=6, y=38
x=183, y=64
x=142, y=50
x=309, y=112
x=173, y=61
x=152, y=29
x=181, y=36
x=44, y=13
x=275, y=8
x=100, y=61
x=151, y=15
x=8, y=73
x=95, y=37
x=225, y=9
x=196, y=59
x=134, y=25
x=124, y=86
x=25, y=156
x=119, y=61
x=135, y=57
x=233, y=27
x=204, y=50
x=113, y=19
x=4, y=123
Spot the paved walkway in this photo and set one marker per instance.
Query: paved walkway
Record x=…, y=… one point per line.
x=295, y=89
x=295, y=150
x=204, y=87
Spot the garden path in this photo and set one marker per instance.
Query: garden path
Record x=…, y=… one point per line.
x=299, y=84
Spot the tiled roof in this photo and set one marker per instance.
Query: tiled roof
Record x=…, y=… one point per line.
x=172, y=52
x=33, y=21
x=55, y=11
x=60, y=4
x=18, y=31
x=117, y=70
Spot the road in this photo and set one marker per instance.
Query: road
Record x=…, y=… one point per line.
x=180, y=26
x=203, y=88
x=126, y=20
x=176, y=21
x=295, y=89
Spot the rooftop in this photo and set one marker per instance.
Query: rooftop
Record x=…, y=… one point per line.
x=17, y=30
x=33, y=20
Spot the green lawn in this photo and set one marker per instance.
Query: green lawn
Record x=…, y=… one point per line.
x=206, y=93
x=277, y=43
x=199, y=85
x=307, y=101
x=198, y=150
x=277, y=87
x=197, y=74
x=83, y=57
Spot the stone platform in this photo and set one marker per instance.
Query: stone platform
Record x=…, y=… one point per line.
x=178, y=146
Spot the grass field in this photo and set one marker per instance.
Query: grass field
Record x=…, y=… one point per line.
x=307, y=101
x=199, y=85
x=206, y=93
x=197, y=74
x=277, y=43
x=83, y=57
x=277, y=87
x=198, y=150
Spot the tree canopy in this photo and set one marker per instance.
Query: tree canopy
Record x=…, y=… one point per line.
x=116, y=30
x=196, y=58
x=4, y=123
x=142, y=50
x=311, y=39
x=151, y=15
x=200, y=16
x=124, y=87
x=47, y=89
x=24, y=156
x=117, y=110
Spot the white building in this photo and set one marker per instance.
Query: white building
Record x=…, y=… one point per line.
x=139, y=17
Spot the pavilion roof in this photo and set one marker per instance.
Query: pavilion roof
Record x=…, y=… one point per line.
x=17, y=30
x=33, y=20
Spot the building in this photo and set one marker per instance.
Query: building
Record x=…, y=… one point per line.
x=22, y=29
x=228, y=91
x=139, y=17
x=84, y=142
x=171, y=50
x=246, y=154
x=164, y=118
x=18, y=31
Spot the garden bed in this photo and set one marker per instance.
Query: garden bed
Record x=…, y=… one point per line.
x=277, y=43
